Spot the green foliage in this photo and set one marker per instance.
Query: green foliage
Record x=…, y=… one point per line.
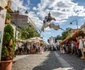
x=8, y=16
x=58, y=37
x=66, y=33
x=13, y=46
x=28, y=32
x=8, y=43
x=4, y=51
x=6, y=37
x=9, y=30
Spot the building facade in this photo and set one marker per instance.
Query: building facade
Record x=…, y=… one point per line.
x=19, y=20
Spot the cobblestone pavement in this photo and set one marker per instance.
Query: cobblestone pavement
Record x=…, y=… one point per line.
x=74, y=61
x=48, y=61
x=45, y=61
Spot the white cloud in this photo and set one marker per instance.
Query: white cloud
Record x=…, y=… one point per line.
x=41, y=14
x=18, y=5
x=60, y=21
x=47, y=29
x=60, y=9
x=34, y=8
x=35, y=19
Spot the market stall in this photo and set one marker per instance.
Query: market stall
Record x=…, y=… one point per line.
x=37, y=42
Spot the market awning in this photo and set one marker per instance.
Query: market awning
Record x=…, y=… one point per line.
x=36, y=38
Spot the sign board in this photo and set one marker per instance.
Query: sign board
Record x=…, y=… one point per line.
x=2, y=25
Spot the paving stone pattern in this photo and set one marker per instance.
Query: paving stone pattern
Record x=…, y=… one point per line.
x=45, y=61
x=73, y=60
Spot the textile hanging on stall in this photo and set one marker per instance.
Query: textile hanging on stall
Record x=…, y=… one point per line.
x=47, y=21
x=51, y=26
x=54, y=26
x=46, y=24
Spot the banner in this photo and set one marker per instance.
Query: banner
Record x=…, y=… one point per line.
x=2, y=25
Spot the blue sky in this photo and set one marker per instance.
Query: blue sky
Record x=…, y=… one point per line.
x=64, y=11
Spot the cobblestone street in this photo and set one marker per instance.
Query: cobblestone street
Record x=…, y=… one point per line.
x=74, y=61
x=49, y=61
x=45, y=61
x=42, y=34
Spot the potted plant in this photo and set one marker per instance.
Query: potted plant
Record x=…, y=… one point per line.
x=8, y=18
x=8, y=48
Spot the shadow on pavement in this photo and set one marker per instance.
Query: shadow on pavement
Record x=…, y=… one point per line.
x=51, y=63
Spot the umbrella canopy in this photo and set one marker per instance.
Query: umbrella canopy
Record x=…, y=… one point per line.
x=36, y=38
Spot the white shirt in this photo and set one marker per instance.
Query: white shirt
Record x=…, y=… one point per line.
x=80, y=44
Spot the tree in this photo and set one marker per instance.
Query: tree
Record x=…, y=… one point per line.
x=58, y=37
x=66, y=33
x=28, y=32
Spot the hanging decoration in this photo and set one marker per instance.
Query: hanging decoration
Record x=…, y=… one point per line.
x=47, y=22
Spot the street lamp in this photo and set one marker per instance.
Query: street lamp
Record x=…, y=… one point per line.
x=75, y=21
x=26, y=12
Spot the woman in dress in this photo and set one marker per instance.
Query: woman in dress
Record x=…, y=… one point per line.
x=83, y=51
x=81, y=45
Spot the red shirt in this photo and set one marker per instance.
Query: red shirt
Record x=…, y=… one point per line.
x=77, y=45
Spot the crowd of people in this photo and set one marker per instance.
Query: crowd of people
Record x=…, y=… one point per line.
x=75, y=46
x=27, y=48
